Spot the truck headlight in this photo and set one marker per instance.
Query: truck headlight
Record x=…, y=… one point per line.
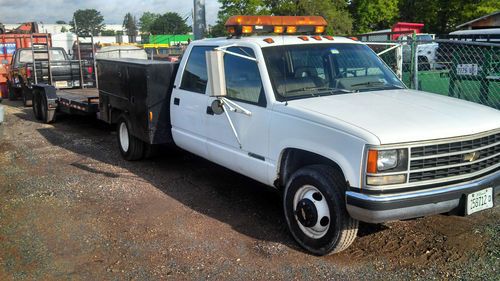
x=386, y=161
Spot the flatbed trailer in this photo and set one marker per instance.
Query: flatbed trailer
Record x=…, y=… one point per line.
x=130, y=90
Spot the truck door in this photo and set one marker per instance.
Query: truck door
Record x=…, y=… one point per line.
x=188, y=103
x=244, y=88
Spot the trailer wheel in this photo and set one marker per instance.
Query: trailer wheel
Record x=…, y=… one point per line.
x=37, y=109
x=26, y=102
x=315, y=211
x=12, y=91
x=131, y=148
x=47, y=115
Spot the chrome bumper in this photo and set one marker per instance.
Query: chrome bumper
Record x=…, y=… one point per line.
x=381, y=208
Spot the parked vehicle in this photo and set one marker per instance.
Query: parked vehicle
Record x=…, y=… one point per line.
x=321, y=119
x=32, y=66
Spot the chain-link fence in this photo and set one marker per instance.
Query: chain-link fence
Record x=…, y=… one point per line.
x=457, y=68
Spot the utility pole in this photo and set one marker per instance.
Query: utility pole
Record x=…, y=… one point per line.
x=199, y=23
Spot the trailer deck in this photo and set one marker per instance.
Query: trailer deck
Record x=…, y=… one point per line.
x=85, y=100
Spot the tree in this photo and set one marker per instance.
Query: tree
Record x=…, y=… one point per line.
x=169, y=23
x=334, y=11
x=146, y=21
x=88, y=21
x=372, y=15
x=64, y=29
x=441, y=17
x=61, y=22
x=236, y=7
x=108, y=32
x=130, y=24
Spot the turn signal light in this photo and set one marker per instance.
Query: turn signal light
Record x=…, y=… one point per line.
x=371, y=166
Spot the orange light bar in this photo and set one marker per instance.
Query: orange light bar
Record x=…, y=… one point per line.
x=277, y=20
x=246, y=29
x=278, y=29
x=371, y=166
x=319, y=29
x=291, y=29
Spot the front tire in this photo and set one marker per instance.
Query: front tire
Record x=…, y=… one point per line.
x=131, y=148
x=315, y=211
x=37, y=108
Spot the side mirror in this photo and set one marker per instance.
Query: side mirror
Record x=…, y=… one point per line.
x=216, y=74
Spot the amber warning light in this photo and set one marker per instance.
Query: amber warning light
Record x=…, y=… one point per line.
x=244, y=25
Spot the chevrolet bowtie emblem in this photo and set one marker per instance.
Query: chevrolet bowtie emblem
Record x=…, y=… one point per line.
x=471, y=157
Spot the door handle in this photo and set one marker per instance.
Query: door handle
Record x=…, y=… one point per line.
x=177, y=101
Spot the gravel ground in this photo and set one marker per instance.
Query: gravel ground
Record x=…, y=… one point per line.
x=71, y=208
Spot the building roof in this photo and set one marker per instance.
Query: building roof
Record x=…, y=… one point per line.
x=478, y=19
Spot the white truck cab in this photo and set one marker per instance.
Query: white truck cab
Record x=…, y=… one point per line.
x=327, y=123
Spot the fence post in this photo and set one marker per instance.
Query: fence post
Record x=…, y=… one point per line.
x=484, y=90
x=399, y=61
x=414, y=62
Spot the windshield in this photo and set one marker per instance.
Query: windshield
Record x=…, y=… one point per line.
x=424, y=37
x=56, y=54
x=302, y=71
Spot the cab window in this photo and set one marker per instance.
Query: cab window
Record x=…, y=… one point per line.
x=243, y=81
x=195, y=75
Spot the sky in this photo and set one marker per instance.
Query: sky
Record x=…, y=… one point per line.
x=113, y=11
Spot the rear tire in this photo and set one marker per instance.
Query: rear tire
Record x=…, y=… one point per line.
x=315, y=210
x=47, y=116
x=37, y=109
x=131, y=148
x=26, y=102
x=12, y=92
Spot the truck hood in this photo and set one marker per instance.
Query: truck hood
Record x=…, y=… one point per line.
x=398, y=116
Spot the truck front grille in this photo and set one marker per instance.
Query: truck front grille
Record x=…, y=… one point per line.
x=453, y=159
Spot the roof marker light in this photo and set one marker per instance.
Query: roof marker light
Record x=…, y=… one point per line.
x=304, y=38
x=317, y=38
x=269, y=40
x=328, y=37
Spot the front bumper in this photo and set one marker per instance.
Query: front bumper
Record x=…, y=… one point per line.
x=381, y=208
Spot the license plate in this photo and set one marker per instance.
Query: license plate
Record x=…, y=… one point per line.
x=480, y=200
x=468, y=69
x=61, y=84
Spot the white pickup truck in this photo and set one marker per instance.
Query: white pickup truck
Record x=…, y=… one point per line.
x=324, y=121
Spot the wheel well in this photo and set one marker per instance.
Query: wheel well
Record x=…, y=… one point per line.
x=293, y=159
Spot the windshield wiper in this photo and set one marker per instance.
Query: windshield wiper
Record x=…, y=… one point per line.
x=321, y=89
x=369, y=83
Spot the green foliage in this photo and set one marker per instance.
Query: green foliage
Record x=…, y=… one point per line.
x=169, y=23
x=88, y=21
x=107, y=32
x=61, y=22
x=374, y=14
x=64, y=29
x=130, y=24
x=334, y=11
x=146, y=21
x=442, y=17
